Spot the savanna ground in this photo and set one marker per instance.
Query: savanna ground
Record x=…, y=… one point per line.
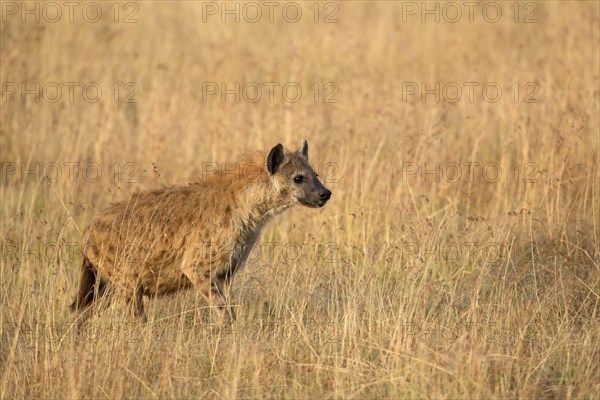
x=475, y=277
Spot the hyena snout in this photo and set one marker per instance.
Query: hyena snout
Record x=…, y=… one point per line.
x=318, y=196
x=324, y=196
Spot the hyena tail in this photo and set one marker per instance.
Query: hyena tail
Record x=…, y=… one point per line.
x=91, y=287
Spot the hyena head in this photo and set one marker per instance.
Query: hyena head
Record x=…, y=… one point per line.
x=294, y=179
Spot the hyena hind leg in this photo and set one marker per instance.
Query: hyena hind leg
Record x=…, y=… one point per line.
x=92, y=289
x=94, y=308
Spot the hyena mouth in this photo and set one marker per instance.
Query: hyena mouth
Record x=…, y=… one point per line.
x=313, y=205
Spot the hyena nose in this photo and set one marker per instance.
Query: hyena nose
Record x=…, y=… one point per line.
x=325, y=195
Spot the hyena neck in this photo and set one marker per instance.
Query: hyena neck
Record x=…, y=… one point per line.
x=262, y=204
x=260, y=199
x=251, y=192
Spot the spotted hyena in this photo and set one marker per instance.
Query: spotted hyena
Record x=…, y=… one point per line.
x=196, y=235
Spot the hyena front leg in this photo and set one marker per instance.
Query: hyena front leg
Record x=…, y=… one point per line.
x=137, y=303
x=218, y=289
x=212, y=290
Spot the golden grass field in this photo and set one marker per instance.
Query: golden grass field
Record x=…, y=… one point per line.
x=480, y=280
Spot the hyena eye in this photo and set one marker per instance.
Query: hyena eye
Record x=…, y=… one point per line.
x=299, y=179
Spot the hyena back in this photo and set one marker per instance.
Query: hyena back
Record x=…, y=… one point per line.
x=197, y=235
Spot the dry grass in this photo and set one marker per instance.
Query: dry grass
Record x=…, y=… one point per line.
x=405, y=286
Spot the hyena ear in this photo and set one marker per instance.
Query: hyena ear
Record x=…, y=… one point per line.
x=275, y=158
x=303, y=151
